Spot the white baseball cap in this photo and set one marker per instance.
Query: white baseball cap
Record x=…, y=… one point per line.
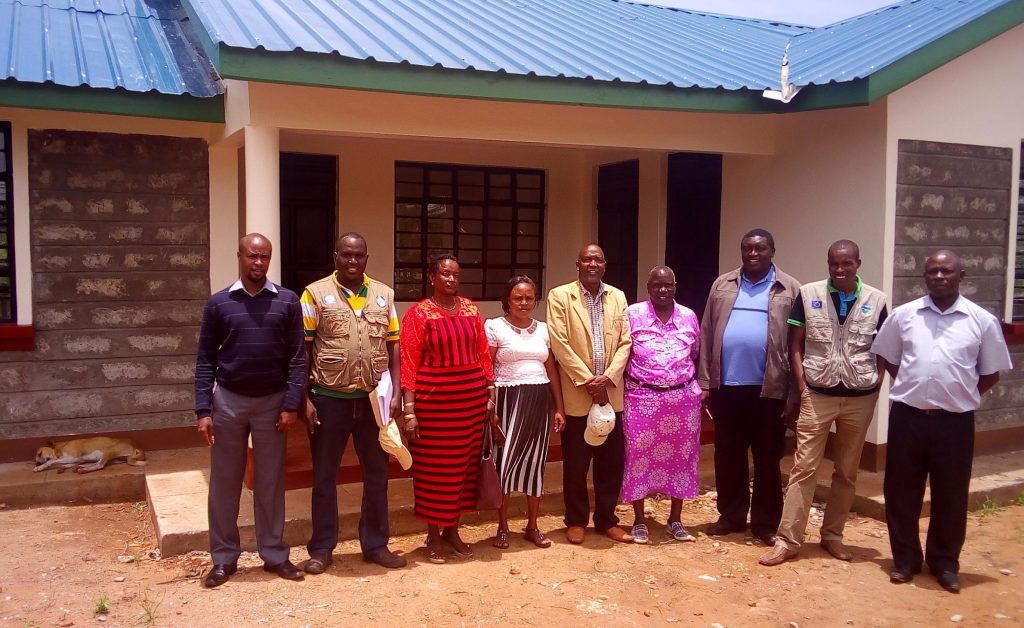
x=391, y=441
x=600, y=423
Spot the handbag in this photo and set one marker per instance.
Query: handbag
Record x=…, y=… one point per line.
x=488, y=486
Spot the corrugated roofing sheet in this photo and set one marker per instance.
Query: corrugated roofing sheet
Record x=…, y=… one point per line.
x=604, y=40
x=857, y=47
x=137, y=45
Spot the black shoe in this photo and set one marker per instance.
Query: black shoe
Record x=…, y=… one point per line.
x=318, y=563
x=901, y=575
x=286, y=570
x=385, y=558
x=722, y=527
x=948, y=580
x=219, y=574
x=765, y=536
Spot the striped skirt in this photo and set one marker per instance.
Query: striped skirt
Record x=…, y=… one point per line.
x=524, y=412
x=451, y=405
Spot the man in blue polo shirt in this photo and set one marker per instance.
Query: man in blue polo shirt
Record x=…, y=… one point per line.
x=744, y=371
x=251, y=345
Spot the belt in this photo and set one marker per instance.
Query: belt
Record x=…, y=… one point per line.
x=929, y=411
x=640, y=384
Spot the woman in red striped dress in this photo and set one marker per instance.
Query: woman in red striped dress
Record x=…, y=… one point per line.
x=447, y=384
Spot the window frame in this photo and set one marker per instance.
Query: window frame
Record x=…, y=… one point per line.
x=7, y=177
x=489, y=204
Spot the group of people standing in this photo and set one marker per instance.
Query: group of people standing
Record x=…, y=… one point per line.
x=623, y=386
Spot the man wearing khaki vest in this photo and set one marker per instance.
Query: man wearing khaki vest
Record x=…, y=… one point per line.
x=833, y=324
x=351, y=339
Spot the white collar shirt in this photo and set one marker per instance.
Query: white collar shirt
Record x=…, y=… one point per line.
x=267, y=285
x=941, y=354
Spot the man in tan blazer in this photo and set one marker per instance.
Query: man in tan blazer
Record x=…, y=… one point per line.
x=591, y=366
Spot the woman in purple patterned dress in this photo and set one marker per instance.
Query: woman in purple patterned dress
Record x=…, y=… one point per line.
x=662, y=404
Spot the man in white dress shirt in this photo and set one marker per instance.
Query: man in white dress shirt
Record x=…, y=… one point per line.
x=943, y=353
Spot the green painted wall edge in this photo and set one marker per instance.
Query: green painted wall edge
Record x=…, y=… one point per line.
x=332, y=70
x=111, y=101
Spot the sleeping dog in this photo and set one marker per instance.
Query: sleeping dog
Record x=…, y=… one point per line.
x=80, y=452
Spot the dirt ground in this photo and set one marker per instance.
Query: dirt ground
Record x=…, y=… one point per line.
x=59, y=564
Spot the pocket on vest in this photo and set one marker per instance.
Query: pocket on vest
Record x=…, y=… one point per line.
x=861, y=336
x=334, y=323
x=819, y=331
x=377, y=324
x=333, y=366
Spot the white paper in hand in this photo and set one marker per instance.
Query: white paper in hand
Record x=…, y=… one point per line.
x=380, y=399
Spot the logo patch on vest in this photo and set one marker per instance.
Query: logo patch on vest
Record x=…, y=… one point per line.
x=329, y=299
x=866, y=308
x=380, y=301
x=816, y=305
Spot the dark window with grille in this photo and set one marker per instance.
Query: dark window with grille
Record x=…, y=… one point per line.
x=8, y=311
x=1018, y=278
x=491, y=219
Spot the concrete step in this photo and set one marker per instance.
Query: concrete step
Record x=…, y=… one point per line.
x=174, y=483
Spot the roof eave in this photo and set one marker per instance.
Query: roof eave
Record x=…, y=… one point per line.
x=331, y=70
x=906, y=70
x=943, y=50
x=111, y=101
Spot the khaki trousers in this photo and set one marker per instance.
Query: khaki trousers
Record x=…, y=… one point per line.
x=818, y=412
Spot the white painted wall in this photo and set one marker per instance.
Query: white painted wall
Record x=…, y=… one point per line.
x=826, y=182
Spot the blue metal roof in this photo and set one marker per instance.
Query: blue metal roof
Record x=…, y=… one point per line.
x=604, y=40
x=138, y=45
x=857, y=47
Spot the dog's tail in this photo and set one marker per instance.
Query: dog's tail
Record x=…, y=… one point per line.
x=138, y=458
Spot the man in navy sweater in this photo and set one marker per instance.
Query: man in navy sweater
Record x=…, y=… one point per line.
x=251, y=345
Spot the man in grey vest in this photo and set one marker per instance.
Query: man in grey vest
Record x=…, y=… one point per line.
x=351, y=339
x=832, y=326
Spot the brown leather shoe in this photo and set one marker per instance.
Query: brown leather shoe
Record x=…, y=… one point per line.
x=778, y=555
x=836, y=548
x=616, y=533
x=575, y=534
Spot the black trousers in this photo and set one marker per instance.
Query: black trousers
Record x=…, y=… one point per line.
x=744, y=420
x=340, y=419
x=937, y=448
x=609, y=462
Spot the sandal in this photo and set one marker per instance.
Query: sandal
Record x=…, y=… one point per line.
x=462, y=552
x=679, y=533
x=436, y=556
x=537, y=537
x=501, y=539
x=640, y=534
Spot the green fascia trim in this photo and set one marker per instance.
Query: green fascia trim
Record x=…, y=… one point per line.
x=332, y=70
x=111, y=101
x=945, y=49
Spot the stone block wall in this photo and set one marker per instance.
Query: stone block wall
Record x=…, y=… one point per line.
x=957, y=196
x=120, y=262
